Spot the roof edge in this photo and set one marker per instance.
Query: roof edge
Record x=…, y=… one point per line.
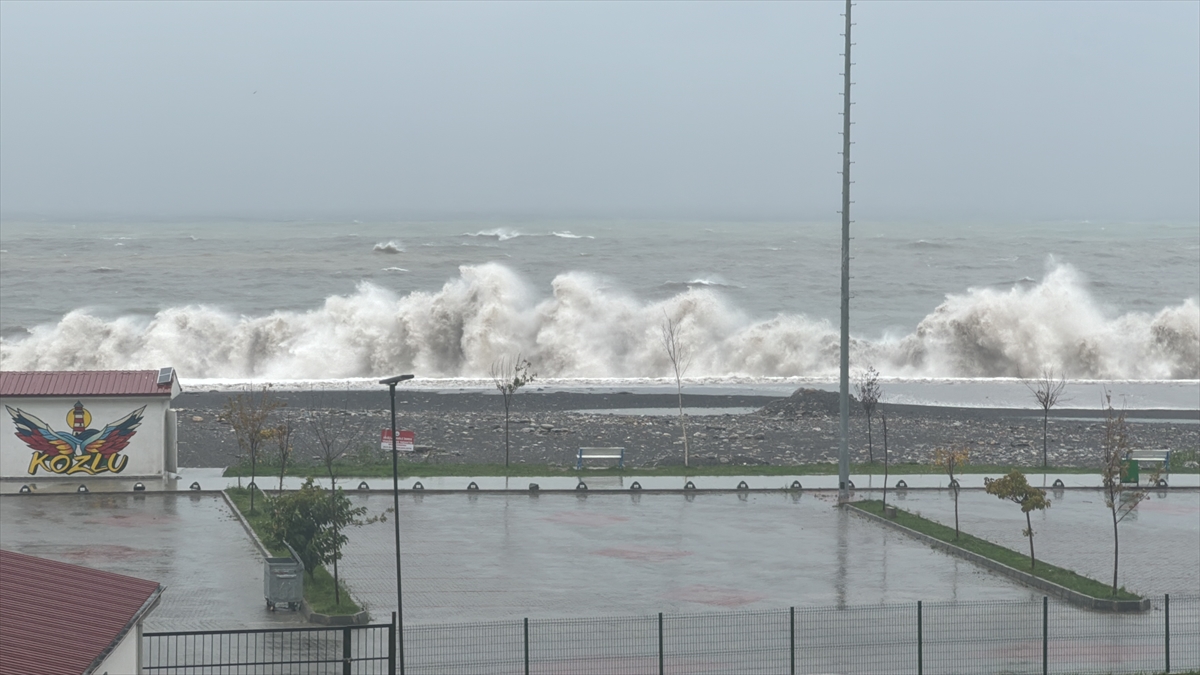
x=147, y=606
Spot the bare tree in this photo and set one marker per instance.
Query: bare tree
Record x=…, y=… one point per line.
x=282, y=434
x=509, y=375
x=1120, y=499
x=951, y=461
x=883, y=420
x=1047, y=390
x=867, y=387
x=333, y=433
x=249, y=414
x=681, y=359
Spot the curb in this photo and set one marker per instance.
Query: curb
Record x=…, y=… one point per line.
x=1061, y=592
x=359, y=619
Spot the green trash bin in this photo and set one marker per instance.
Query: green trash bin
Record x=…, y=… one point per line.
x=1129, y=471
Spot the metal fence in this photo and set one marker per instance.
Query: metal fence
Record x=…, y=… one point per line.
x=923, y=638
x=954, y=638
x=344, y=650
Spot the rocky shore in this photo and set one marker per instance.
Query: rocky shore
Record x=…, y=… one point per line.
x=548, y=428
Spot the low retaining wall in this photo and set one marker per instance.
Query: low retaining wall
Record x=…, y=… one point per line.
x=1049, y=587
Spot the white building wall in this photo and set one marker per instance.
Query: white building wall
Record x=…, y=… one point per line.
x=144, y=456
x=125, y=658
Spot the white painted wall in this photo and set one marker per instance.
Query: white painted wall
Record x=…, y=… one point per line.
x=145, y=455
x=125, y=659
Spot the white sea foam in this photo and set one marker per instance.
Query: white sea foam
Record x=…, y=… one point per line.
x=499, y=233
x=582, y=328
x=389, y=247
x=570, y=235
x=394, y=269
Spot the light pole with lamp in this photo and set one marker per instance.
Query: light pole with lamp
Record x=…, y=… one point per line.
x=391, y=382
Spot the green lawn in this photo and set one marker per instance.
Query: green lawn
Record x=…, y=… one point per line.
x=318, y=587
x=1020, y=561
x=408, y=469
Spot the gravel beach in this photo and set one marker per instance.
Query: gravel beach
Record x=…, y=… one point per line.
x=548, y=428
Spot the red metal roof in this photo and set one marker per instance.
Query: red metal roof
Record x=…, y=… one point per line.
x=83, y=383
x=58, y=618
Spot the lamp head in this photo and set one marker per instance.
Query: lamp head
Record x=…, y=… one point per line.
x=393, y=381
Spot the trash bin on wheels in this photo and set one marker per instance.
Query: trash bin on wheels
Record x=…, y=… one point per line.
x=283, y=581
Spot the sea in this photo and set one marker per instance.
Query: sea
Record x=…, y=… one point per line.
x=980, y=306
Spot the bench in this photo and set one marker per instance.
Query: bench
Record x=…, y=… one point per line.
x=1160, y=456
x=600, y=453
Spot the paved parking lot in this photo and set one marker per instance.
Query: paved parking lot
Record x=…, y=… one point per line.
x=492, y=556
x=1160, y=539
x=190, y=543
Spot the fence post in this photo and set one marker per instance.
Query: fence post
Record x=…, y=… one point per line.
x=526, y=645
x=1045, y=635
x=920, y=646
x=346, y=650
x=660, y=644
x=792, y=639
x=1167, y=629
x=392, y=646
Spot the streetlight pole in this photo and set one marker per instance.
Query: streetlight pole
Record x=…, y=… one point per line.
x=391, y=382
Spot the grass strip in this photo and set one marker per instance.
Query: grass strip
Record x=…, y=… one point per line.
x=1019, y=561
x=318, y=588
x=408, y=469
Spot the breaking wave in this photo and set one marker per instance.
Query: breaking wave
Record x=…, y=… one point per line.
x=389, y=247
x=582, y=328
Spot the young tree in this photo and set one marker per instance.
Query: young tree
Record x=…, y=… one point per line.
x=1047, y=390
x=1015, y=488
x=883, y=421
x=333, y=433
x=867, y=387
x=509, y=375
x=282, y=434
x=312, y=522
x=951, y=461
x=1120, y=499
x=249, y=414
x=681, y=359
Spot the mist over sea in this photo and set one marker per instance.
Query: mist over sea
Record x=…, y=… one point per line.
x=584, y=300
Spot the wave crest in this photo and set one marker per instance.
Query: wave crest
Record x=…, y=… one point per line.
x=583, y=329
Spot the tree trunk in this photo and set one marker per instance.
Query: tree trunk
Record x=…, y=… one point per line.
x=682, y=422
x=1029, y=524
x=956, y=512
x=253, y=467
x=1116, y=549
x=1045, y=419
x=506, y=406
x=337, y=587
x=870, y=448
x=883, y=420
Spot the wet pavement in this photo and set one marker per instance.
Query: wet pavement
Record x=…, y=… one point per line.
x=190, y=543
x=493, y=556
x=1159, y=540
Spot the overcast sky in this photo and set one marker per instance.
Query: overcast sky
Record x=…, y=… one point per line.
x=969, y=110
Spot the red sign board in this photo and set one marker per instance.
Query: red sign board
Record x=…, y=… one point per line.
x=404, y=440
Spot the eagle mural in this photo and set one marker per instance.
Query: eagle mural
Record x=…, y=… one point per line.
x=81, y=450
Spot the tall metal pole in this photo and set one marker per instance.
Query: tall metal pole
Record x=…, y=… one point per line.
x=844, y=399
x=391, y=382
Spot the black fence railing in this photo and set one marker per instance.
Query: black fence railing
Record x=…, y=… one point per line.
x=920, y=638
x=345, y=650
x=953, y=638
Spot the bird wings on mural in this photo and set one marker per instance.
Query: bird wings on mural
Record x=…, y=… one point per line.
x=39, y=436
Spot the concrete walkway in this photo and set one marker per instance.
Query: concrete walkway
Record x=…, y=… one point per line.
x=190, y=543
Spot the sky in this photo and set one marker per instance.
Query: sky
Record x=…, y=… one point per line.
x=978, y=111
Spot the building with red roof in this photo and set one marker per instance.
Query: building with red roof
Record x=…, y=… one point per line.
x=87, y=425
x=60, y=619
